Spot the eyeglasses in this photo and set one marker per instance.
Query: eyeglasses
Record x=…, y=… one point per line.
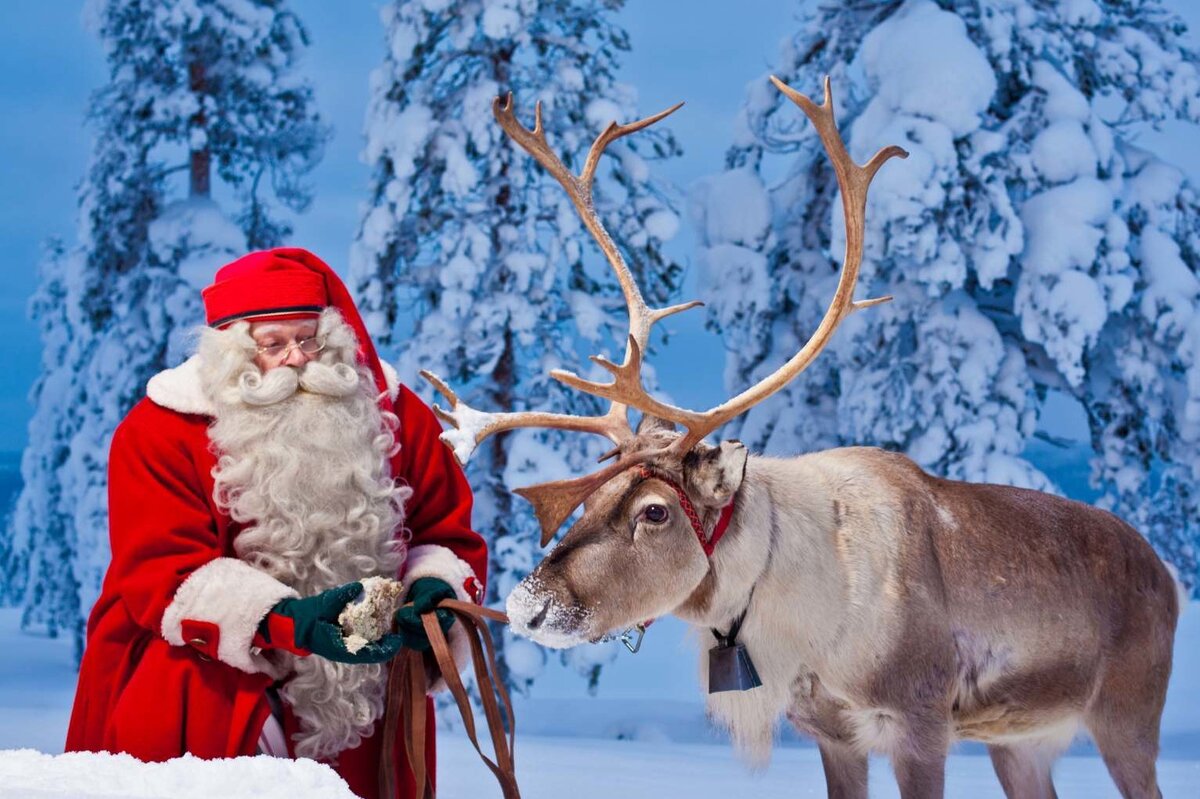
x=309, y=345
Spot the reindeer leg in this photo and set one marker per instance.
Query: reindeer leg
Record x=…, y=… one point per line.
x=920, y=778
x=1129, y=746
x=1024, y=771
x=845, y=771
x=1125, y=715
x=919, y=753
x=1130, y=757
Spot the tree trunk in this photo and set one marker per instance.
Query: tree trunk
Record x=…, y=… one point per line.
x=200, y=159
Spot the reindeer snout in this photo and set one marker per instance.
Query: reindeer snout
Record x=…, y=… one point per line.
x=527, y=608
x=538, y=613
x=540, y=617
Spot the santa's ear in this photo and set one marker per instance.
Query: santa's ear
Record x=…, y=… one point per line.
x=652, y=424
x=714, y=474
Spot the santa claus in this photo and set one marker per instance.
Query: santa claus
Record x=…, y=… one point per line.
x=249, y=493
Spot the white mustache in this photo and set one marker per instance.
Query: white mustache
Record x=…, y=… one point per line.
x=338, y=380
x=261, y=389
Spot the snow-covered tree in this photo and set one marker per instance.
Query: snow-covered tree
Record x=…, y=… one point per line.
x=472, y=262
x=1031, y=247
x=194, y=87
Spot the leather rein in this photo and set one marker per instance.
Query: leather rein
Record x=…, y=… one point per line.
x=408, y=680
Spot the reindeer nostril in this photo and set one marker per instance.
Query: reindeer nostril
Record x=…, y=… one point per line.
x=537, y=620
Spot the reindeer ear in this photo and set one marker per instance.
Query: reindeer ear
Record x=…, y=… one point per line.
x=716, y=473
x=652, y=424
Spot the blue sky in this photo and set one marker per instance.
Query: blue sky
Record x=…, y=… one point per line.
x=700, y=51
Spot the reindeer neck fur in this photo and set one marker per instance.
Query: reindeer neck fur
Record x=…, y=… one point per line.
x=801, y=540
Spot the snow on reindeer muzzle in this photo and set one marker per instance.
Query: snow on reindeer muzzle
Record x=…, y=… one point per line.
x=537, y=613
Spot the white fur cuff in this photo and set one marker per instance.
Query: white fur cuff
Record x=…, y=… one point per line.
x=431, y=560
x=235, y=597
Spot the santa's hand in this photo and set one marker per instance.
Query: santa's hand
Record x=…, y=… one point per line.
x=423, y=597
x=312, y=626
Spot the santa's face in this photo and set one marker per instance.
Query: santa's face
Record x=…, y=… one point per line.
x=284, y=343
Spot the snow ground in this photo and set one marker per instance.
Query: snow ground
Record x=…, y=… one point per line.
x=645, y=735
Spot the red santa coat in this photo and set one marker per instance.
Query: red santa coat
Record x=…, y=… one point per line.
x=169, y=666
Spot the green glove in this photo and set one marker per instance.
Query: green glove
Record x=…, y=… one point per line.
x=424, y=595
x=314, y=627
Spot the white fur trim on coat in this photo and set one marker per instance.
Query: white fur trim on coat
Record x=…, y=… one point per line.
x=179, y=389
x=233, y=595
x=431, y=560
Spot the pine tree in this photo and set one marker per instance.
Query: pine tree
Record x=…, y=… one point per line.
x=194, y=88
x=1030, y=246
x=471, y=261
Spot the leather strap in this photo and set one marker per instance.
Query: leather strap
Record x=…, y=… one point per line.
x=407, y=682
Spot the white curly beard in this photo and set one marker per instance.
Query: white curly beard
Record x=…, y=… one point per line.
x=303, y=463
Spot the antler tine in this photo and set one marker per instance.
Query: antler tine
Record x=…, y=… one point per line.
x=611, y=134
x=579, y=190
x=555, y=501
x=471, y=427
x=534, y=141
x=627, y=387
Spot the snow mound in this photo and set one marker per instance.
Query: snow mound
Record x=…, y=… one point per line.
x=92, y=775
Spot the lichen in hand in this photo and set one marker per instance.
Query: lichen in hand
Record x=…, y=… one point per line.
x=369, y=617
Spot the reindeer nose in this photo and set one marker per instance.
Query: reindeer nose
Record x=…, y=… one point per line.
x=537, y=620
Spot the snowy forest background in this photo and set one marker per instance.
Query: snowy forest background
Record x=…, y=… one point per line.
x=1042, y=240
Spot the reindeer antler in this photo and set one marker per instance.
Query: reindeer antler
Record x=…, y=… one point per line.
x=579, y=189
x=555, y=501
x=854, y=180
x=471, y=426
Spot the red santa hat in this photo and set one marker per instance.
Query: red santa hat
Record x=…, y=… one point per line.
x=285, y=283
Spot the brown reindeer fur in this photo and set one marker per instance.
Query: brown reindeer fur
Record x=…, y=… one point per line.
x=887, y=610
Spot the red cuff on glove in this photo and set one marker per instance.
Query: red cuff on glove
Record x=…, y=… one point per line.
x=277, y=631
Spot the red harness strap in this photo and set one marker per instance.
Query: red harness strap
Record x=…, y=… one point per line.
x=707, y=542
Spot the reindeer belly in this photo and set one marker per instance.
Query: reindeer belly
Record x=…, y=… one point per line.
x=1004, y=692
x=999, y=693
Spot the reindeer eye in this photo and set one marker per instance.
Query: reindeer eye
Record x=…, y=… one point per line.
x=655, y=514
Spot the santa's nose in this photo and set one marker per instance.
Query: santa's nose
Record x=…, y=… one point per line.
x=295, y=357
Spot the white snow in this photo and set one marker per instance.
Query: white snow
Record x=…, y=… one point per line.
x=500, y=19
x=1064, y=225
x=601, y=111
x=197, y=234
x=1172, y=289
x=1063, y=101
x=643, y=734
x=86, y=775
x=951, y=82
x=1063, y=152
x=662, y=224
x=470, y=423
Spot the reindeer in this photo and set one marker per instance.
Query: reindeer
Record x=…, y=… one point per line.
x=874, y=606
